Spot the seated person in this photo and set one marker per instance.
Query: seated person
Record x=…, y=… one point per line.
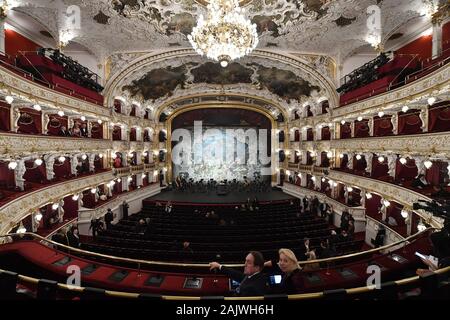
x=419, y=182
x=63, y=132
x=76, y=130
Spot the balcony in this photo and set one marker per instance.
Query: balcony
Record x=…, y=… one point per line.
x=12, y=143
x=21, y=83
x=418, y=143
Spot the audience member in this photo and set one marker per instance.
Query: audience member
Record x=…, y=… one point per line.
x=63, y=132
x=73, y=237
x=252, y=281
x=291, y=281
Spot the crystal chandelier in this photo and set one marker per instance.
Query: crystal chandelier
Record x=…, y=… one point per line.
x=226, y=34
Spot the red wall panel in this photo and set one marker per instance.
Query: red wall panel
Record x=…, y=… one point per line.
x=421, y=46
x=15, y=42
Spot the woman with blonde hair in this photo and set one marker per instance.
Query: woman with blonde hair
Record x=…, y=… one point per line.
x=292, y=281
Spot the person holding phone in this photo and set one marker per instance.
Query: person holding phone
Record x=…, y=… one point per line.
x=291, y=281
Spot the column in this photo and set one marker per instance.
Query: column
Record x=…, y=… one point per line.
x=89, y=128
x=125, y=183
x=138, y=157
x=350, y=156
x=139, y=179
x=394, y=121
x=2, y=37
x=14, y=119
x=318, y=133
x=303, y=182
x=352, y=129
x=45, y=121
x=423, y=115
x=436, y=49
x=371, y=125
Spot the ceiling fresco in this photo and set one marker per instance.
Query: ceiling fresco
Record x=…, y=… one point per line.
x=332, y=27
x=161, y=82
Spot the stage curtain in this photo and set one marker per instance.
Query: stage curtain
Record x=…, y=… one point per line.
x=379, y=169
x=30, y=121
x=55, y=124
x=326, y=134
x=36, y=174
x=297, y=135
x=409, y=123
x=62, y=171
x=406, y=172
x=439, y=118
x=97, y=130
x=382, y=126
x=117, y=106
x=117, y=133
x=362, y=129
x=346, y=131
x=5, y=111
x=309, y=134
x=70, y=208
x=7, y=179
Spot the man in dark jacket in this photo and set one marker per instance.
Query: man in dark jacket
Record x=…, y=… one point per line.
x=109, y=218
x=252, y=281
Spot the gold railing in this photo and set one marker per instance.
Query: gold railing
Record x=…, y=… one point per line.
x=140, y=262
x=293, y=166
x=305, y=167
x=300, y=296
x=137, y=169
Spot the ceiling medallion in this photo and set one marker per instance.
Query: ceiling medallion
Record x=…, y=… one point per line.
x=226, y=34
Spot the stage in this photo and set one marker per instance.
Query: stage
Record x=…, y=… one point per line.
x=212, y=197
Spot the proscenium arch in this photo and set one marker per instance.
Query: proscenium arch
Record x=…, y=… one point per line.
x=159, y=56
x=270, y=103
x=193, y=106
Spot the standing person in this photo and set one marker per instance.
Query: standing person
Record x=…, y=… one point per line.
x=109, y=217
x=292, y=281
x=252, y=281
x=161, y=178
x=73, y=237
x=125, y=207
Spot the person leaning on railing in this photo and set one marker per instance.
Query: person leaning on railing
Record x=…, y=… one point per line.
x=292, y=281
x=252, y=281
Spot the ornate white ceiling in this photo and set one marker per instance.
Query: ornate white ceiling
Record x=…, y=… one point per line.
x=330, y=27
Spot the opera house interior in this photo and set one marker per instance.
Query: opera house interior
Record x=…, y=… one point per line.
x=225, y=150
